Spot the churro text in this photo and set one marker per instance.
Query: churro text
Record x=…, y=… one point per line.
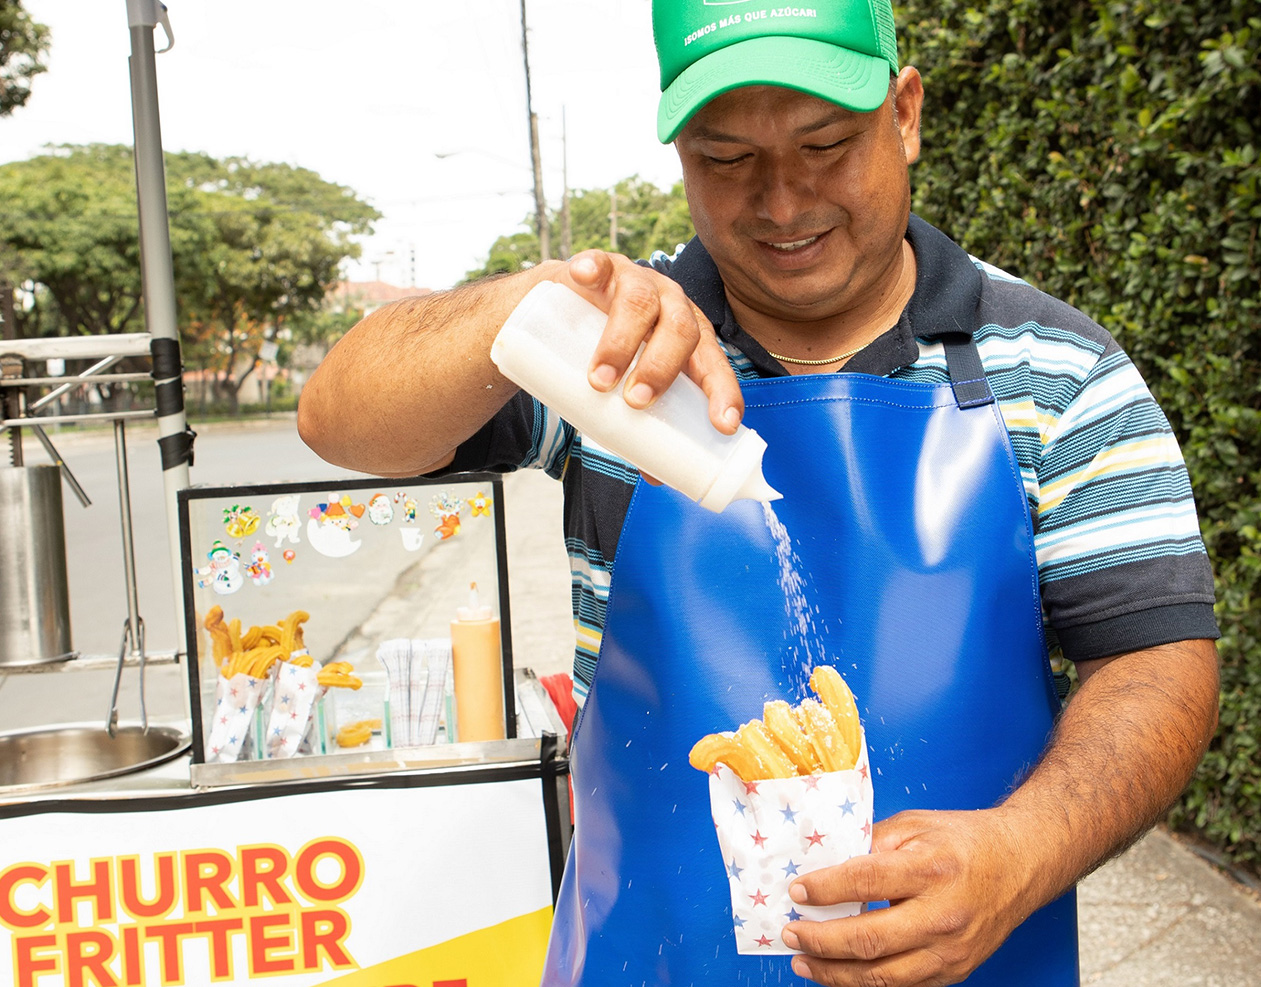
x=132, y=921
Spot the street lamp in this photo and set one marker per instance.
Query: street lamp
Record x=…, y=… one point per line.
x=443, y=155
x=540, y=204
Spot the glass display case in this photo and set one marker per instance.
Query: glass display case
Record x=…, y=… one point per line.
x=342, y=623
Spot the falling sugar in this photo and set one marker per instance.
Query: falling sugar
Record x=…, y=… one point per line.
x=807, y=642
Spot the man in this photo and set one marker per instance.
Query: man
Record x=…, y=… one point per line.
x=958, y=454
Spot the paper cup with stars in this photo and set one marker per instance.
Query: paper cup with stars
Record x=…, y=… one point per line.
x=293, y=699
x=774, y=830
x=236, y=699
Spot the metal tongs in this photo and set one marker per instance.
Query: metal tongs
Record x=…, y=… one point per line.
x=133, y=625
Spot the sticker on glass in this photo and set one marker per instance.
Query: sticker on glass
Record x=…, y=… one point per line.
x=283, y=522
x=446, y=508
x=259, y=568
x=329, y=526
x=380, y=510
x=240, y=522
x=222, y=573
x=409, y=506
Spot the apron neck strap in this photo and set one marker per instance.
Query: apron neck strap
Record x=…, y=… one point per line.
x=967, y=375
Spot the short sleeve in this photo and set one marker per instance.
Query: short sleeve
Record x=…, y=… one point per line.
x=524, y=433
x=1120, y=557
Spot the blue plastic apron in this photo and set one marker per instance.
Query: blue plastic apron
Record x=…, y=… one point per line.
x=909, y=520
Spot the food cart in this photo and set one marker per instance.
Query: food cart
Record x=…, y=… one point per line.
x=353, y=836
x=329, y=810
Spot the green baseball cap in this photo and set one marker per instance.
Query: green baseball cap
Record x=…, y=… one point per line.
x=838, y=50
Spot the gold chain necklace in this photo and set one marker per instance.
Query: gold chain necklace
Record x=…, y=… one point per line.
x=818, y=363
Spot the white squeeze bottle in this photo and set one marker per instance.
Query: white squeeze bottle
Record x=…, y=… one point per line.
x=546, y=346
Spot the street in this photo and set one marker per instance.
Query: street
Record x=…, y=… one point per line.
x=267, y=451
x=254, y=452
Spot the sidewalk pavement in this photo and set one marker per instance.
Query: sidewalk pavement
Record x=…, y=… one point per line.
x=1159, y=916
x=1156, y=916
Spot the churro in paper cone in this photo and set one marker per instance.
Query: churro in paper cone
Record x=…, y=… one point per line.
x=789, y=794
x=293, y=699
x=772, y=830
x=236, y=699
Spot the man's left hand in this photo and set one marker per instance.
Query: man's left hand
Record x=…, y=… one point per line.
x=953, y=893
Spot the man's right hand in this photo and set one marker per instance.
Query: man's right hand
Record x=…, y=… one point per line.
x=647, y=308
x=414, y=379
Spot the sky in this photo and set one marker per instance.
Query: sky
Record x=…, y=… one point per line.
x=417, y=106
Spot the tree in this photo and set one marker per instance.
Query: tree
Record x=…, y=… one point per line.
x=23, y=45
x=252, y=245
x=647, y=219
x=268, y=242
x=1107, y=152
x=68, y=221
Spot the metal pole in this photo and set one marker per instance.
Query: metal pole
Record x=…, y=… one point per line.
x=54, y=394
x=174, y=435
x=60, y=463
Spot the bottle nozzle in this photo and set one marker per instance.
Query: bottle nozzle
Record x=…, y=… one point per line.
x=476, y=610
x=756, y=488
x=741, y=477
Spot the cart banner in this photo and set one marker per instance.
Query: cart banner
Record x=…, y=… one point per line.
x=366, y=887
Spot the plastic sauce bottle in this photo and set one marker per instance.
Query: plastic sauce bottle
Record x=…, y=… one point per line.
x=478, y=668
x=546, y=346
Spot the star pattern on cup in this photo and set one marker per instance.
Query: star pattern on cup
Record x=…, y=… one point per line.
x=772, y=831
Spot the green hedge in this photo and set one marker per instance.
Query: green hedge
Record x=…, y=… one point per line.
x=1107, y=152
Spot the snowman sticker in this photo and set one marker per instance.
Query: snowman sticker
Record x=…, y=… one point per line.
x=223, y=571
x=259, y=570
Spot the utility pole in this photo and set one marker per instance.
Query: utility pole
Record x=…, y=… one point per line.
x=540, y=203
x=566, y=239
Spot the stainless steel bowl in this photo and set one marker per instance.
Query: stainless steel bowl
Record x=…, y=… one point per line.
x=50, y=757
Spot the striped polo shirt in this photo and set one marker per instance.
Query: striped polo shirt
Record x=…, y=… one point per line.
x=1120, y=559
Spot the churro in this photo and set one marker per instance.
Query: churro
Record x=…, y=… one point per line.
x=269, y=634
x=291, y=631
x=338, y=674
x=255, y=663
x=357, y=734
x=715, y=747
x=832, y=690
x=259, y=647
x=823, y=734
x=220, y=640
x=772, y=761
x=787, y=731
